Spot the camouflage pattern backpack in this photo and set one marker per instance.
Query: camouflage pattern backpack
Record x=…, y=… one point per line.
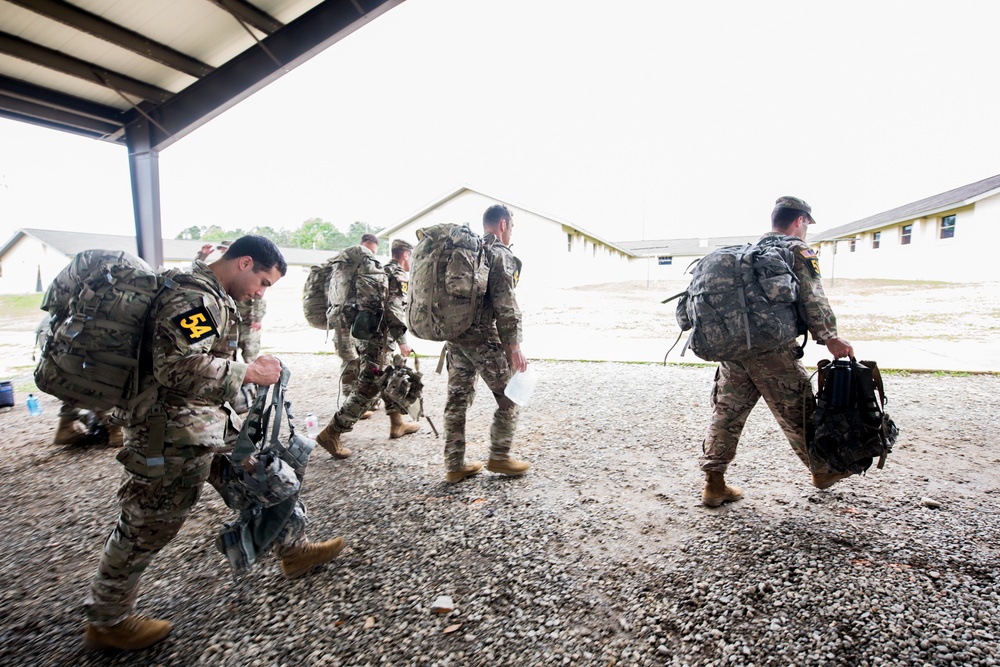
x=97, y=317
x=448, y=277
x=358, y=284
x=849, y=427
x=315, y=294
x=742, y=301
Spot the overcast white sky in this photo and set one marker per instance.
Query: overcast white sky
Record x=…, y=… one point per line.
x=650, y=117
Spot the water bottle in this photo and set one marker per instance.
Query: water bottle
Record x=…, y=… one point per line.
x=312, y=428
x=840, y=389
x=34, y=409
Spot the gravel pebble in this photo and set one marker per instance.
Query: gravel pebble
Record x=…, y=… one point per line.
x=600, y=555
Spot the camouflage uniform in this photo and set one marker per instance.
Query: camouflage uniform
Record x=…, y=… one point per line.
x=481, y=351
x=778, y=376
x=372, y=354
x=251, y=312
x=346, y=350
x=170, y=442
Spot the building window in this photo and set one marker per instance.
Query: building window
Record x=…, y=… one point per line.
x=947, y=227
x=905, y=234
x=569, y=243
x=665, y=260
x=876, y=240
x=852, y=244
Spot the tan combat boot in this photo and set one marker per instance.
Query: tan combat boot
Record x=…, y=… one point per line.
x=313, y=554
x=134, y=633
x=468, y=470
x=330, y=441
x=510, y=467
x=69, y=431
x=398, y=428
x=115, y=436
x=824, y=480
x=717, y=492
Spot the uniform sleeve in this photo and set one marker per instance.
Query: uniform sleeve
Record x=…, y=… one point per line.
x=259, y=309
x=186, y=330
x=503, y=279
x=820, y=320
x=395, y=312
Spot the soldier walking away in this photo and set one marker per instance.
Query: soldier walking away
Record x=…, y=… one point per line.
x=777, y=375
x=374, y=343
x=346, y=345
x=490, y=348
x=172, y=439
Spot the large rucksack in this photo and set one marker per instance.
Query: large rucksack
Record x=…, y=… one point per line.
x=741, y=301
x=315, y=294
x=90, y=347
x=849, y=427
x=358, y=284
x=449, y=273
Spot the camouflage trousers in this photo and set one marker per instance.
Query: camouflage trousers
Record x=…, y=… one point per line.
x=783, y=382
x=249, y=343
x=349, y=364
x=154, y=503
x=466, y=363
x=371, y=360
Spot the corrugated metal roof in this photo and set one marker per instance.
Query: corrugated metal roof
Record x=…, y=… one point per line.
x=963, y=196
x=92, y=67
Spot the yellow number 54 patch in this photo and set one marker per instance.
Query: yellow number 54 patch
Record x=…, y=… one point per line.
x=196, y=324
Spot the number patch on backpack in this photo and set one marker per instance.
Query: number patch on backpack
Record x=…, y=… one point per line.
x=196, y=324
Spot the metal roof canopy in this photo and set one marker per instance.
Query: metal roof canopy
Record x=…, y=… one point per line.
x=145, y=74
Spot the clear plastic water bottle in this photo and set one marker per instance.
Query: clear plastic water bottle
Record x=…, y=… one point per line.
x=312, y=428
x=34, y=409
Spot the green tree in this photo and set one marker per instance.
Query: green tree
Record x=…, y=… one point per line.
x=318, y=234
x=357, y=230
x=192, y=232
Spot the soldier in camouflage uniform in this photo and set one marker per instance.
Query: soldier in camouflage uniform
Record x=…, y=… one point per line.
x=372, y=358
x=251, y=311
x=778, y=375
x=171, y=440
x=490, y=348
x=346, y=345
x=251, y=314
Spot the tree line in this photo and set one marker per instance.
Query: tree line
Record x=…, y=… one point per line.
x=315, y=233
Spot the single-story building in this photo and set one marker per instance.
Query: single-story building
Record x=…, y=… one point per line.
x=31, y=258
x=669, y=259
x=556, y=253
x=938, y=238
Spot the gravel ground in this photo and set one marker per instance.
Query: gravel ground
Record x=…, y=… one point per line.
x=600, y=555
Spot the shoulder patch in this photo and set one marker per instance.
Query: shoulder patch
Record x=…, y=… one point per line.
x=812, y=261
x=196, y=324
x=404, y=285
x=517, y=271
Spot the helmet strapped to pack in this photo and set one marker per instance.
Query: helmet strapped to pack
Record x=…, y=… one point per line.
x=448, y=278
x=261, y=479
x=742, y=301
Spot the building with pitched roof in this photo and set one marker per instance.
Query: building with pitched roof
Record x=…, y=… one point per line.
x=555, y=252
x=936, y=238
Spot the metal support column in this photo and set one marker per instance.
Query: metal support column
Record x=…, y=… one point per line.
x=144, y=168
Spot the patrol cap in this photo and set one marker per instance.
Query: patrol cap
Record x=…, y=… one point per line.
x=795, y=204
x=400, y=244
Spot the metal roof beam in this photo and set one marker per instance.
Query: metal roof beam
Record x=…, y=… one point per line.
x=60, y=62
x=92, y=24
x=250, y=15
x=24, y=110
x=53, y=99
x=311, y=33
